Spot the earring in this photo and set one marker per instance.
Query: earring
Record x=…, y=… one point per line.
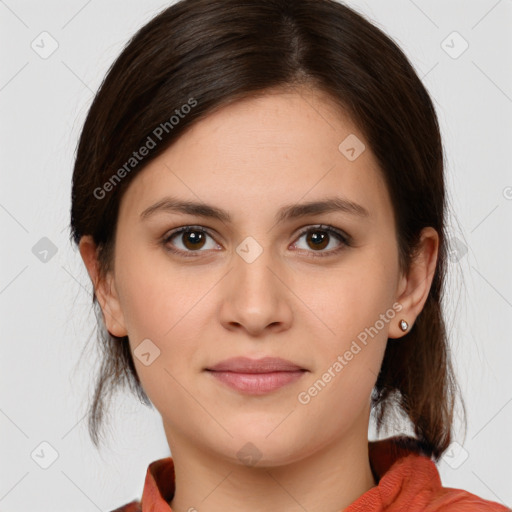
x=404, y=325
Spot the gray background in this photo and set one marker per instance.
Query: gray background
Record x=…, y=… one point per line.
x=45, y=312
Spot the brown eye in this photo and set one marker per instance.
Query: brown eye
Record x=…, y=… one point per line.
x=319, y=238
x=188, y=239
x=193, y=239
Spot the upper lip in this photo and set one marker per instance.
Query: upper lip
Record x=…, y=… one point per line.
x=263, y=365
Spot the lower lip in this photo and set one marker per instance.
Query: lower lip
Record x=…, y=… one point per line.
x=257, y=383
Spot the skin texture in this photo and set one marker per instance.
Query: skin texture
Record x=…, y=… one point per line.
x=251, y=158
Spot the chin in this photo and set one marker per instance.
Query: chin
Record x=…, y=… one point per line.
x=255, y=446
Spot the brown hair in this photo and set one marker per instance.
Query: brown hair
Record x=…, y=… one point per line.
x=216, y=52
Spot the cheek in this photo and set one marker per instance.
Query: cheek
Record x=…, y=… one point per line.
x=348, y=300
x=172, y=308
x=155, y=295
x=163, y=307
x=357, y=315
x=355, y=311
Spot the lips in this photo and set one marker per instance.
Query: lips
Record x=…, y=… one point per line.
x=263, y=365
x=256, y=376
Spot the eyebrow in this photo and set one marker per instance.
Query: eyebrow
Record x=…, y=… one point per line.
x=294, y=211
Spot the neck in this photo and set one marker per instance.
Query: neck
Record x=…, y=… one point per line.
x=329, y=479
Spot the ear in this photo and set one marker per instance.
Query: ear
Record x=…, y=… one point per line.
x=104, y=289
x=413, y=288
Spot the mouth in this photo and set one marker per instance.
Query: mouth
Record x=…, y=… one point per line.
x=256, y=376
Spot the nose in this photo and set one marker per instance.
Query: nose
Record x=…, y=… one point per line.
x=256, y=296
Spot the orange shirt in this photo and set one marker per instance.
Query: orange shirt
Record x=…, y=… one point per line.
x=407, y=481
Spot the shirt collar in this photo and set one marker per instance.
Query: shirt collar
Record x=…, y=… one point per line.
x=399, y=466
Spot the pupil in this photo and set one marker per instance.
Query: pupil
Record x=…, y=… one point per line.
x=193, y=238
x=319, y=239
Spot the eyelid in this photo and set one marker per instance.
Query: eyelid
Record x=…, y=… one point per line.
x=345, y=239
x=183, y=229
x=326, y=227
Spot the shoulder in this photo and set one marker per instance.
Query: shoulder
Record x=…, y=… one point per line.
x=133, y=506
x=422, y=487
x=448, y=499
x=409, y=478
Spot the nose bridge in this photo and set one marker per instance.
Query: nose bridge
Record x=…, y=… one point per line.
x=252, y=273
x=254, y=296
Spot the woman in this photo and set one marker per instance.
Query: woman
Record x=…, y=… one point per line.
x=259, y=200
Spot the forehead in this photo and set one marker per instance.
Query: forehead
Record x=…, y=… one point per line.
x=262, y=152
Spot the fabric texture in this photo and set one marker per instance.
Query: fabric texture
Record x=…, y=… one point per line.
x=407, y=481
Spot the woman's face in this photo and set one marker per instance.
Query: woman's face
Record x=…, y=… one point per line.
x=264, y=280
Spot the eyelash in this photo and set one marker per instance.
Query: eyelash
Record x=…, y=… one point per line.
x=342, y=237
